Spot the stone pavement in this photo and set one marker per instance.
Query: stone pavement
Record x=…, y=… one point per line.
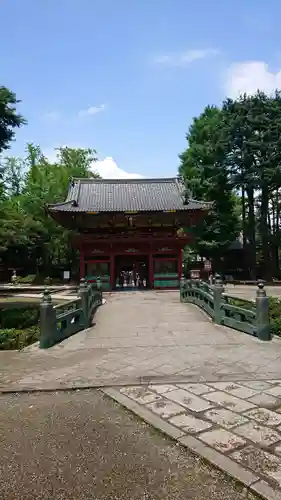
x=216, y=390
x=248, y=292
x=236, y=426
x=140, y=337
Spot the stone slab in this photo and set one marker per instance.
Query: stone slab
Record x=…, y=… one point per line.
x=165, y=408
x=257, y=433
x=197, y=389
x=264, y=416
x=221, y=461
x=265, y=490
x=189, y=423
x=161, y=389
x=188, y=400
x=235, y=389
x=225, y=418
x=275, y=391
x=257, y=385
x=260, y=461
x=143, y=412
x=228, y=401
x=222, y=440
x=236, y=465
x=140, y=394
x=265, y=400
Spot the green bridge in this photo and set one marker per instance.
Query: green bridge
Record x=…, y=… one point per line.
x=57, y=322
x=244, y=315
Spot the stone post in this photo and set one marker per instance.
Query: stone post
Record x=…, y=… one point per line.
x=99, y=288
x=84, y=296
x=48, y=324
x=182, y=288
x=218, y=290
x=262, y=316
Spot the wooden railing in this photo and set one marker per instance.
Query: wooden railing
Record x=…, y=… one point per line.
x=244, y=315
x=63, y=320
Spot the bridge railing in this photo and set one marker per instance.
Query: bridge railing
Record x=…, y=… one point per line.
x=244, y=315
x=57, y=322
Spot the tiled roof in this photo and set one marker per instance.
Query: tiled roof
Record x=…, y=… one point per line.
x=140, y=195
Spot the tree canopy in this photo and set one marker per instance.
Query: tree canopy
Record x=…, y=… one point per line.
x=28, y=234
x=235, y=151
x=9, y=118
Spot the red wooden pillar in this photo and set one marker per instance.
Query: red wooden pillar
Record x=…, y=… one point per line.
x=179, y=263
x=150, y=268
x=82, y=263
x=112, y=269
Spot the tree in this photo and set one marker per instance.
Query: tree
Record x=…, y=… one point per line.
x=253, y=126
x=9, y=118
x=32, y=236
x=206, y=178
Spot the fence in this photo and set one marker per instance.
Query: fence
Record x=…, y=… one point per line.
x=246, y=316
x=63, y=320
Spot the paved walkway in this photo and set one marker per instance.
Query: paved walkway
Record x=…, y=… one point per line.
x=217, y=391
x=141, y=337
x=236, y=426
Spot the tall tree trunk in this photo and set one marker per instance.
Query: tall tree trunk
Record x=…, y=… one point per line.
x=244, y=228
x=264, y=230
x=252, y=234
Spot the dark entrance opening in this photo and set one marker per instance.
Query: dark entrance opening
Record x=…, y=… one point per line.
x=131, y=272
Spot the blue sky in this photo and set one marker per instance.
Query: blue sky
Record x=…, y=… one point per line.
x=126, y=76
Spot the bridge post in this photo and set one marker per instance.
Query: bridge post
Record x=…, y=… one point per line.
x=262, y=316
x=182, y=288
x=84, y=296
x=218, y=290
x=48, y=325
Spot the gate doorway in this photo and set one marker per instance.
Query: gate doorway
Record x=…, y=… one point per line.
x=131, y=272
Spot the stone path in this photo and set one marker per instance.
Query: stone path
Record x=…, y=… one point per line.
x=216, y=390
x=249, y=291
x=236, y=426
x=140, y=337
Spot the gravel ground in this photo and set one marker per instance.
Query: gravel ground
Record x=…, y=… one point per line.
x=83, y=446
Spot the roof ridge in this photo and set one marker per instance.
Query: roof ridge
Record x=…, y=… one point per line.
x=151, y=180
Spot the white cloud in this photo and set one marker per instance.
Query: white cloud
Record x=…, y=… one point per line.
x=180, y=59
x=108, y=169
x=92, y=110
x=250, y=76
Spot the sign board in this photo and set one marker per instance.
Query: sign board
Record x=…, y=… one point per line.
x=66, y=275
x=195, y=273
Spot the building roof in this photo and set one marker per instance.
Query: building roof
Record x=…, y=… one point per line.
x=127, y=195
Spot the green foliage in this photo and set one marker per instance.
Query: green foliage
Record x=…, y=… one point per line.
x=233, y=158
x=9, y=118
x=27, y=232
x=13, y=338
x=26, y=280
x=206, y=178
x=19, y=318
x=19, y=327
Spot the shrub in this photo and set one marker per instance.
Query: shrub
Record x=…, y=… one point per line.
x=48, y=281
x=26, y=280
x=19, y=318
x=13, y=338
